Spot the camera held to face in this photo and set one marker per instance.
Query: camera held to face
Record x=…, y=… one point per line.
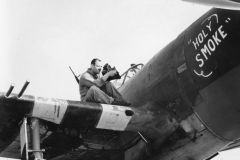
x=107, y=68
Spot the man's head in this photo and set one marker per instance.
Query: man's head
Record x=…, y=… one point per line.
x=96, y=66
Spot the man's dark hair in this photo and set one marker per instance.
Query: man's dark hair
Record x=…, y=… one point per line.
x=94, y=61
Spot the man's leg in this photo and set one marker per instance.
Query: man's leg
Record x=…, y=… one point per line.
x=111, y=91
x=96, y=95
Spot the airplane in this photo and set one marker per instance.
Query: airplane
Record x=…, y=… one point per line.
x=184, y=106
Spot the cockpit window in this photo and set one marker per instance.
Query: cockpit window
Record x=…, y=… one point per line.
x=128, y=74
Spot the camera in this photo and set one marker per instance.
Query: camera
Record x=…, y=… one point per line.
x=107, y=68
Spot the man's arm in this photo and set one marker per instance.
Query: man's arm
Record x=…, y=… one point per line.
x=87, y=79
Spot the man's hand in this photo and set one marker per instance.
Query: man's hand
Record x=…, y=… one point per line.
x=112, y=73
x=109, y=74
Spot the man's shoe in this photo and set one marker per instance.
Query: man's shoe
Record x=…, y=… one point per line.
x=120, y=102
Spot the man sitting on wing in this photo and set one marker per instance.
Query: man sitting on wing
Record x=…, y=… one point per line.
x=94, y=88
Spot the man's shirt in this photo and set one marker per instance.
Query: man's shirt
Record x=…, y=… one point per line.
x=87, y=80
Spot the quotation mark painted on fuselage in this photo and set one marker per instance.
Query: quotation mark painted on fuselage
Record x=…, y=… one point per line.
x=227, y=20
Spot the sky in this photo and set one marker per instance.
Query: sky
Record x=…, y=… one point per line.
x=40, y=39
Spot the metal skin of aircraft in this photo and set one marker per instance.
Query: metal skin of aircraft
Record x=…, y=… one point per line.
x=185, y=105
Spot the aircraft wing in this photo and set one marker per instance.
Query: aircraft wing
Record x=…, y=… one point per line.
x=69, y=128
x=225, y=4
x=233, y=145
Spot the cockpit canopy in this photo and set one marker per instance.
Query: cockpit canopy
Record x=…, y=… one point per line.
x=128, y=74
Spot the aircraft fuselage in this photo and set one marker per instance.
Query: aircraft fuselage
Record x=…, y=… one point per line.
x=194, y=79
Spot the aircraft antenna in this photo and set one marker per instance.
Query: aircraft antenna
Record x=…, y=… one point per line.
x=9, y=90
x=23, y=89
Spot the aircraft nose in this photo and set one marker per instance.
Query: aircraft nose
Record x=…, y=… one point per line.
x=212, y=46
x=212, y=53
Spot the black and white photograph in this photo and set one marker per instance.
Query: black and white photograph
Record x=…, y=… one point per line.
x=119, y=80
